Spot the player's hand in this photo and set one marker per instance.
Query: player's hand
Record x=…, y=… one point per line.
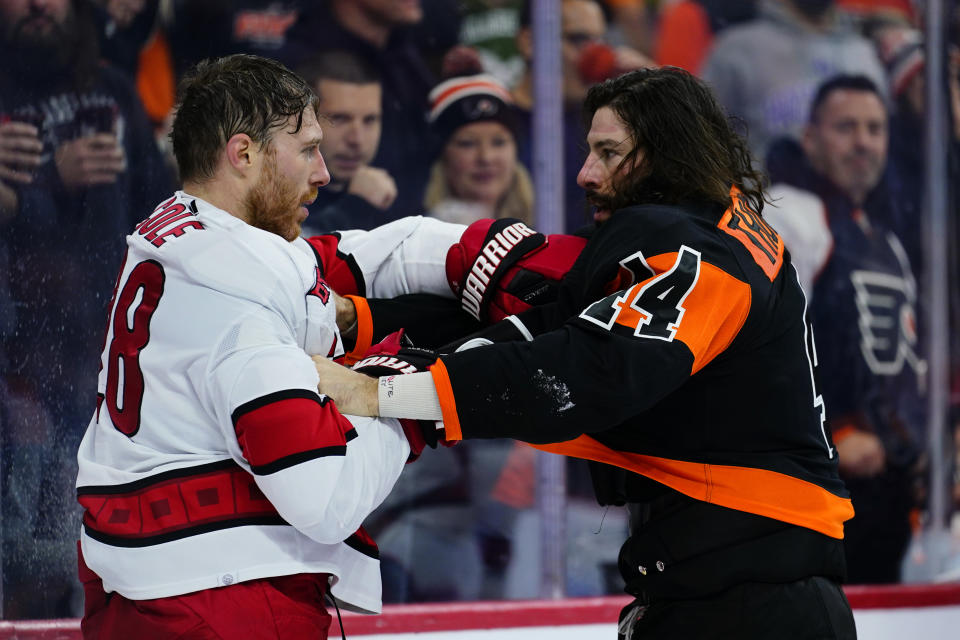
x=390, y=358
x=861, y=454
x=502, y=267
x=353, y=392
x=90, y=161
x=374, y=185
x=20, y=149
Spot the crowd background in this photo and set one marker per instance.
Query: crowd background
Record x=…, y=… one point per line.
x=429, y=107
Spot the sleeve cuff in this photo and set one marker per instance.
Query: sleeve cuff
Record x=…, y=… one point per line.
x=448, y=405
x=408, y=396
x=364, y=330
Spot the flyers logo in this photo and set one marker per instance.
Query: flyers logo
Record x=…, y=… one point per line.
x=886, y=306
x=888, y=332
x=653, y=308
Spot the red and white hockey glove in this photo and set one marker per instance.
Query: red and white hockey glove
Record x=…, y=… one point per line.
x=391, y=356
x=503, y=267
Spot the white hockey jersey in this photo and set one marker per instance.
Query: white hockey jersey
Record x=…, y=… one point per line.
x=211, y=458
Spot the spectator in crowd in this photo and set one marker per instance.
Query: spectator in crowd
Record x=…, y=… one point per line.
x=214, y=28
x=687, y=29
x=587, y=59
x=833, y=207
x=490, y=28
x=350, y=102
x=379, y=31
x=765, y=71
x=125, y=27
x=85, y=168
x=133, y=37
x=902, y=52
x=477, y=174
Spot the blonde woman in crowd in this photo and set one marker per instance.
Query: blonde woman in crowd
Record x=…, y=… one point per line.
x=477, y=174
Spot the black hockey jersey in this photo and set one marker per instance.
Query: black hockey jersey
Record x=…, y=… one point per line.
x=679, y=351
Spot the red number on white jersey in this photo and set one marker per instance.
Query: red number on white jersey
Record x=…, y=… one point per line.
x=135, y=306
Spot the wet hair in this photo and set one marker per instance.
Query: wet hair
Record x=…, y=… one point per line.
x=843, y=82
x=338, y=65
x=220, y=98
x=690, y=149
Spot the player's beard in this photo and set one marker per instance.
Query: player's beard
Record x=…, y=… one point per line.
x=600, y=200
x=273, y=204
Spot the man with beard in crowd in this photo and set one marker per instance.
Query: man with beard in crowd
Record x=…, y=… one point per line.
x=78, y=164
x=838, y=214
x=678, y=360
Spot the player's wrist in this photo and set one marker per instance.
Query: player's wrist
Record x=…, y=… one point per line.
x=346, y=317
x=408, y=396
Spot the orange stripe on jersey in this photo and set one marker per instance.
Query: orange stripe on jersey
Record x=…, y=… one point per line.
x=714, y=311
x=364, y=331
x=753, y=232
x=765, y=493
x=448, y=404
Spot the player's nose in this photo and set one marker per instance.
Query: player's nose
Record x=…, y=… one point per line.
x=320, y=176
x=589, y=176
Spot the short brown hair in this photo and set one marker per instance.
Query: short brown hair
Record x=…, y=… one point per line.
x=226, y=96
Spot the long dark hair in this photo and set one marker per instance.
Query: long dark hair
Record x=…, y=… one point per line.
x=235, y=94
x=690, y=150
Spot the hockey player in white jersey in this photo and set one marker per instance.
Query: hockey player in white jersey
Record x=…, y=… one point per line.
x=222, y=494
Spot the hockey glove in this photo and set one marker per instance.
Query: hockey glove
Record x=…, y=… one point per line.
x=503, y=267
x=392, y=356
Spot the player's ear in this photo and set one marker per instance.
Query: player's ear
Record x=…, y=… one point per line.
x=241, y=152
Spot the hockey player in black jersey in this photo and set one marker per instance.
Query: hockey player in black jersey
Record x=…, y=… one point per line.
x=677, y=358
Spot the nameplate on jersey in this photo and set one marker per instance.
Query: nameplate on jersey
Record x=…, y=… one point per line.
x=759, y=238
x=170, y=220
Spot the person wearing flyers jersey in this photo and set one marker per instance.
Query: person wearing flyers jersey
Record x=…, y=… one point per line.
x=677, y=358
x=222, y=494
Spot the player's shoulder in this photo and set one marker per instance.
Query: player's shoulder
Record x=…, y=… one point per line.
x=658, y=229
x=215, y=249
